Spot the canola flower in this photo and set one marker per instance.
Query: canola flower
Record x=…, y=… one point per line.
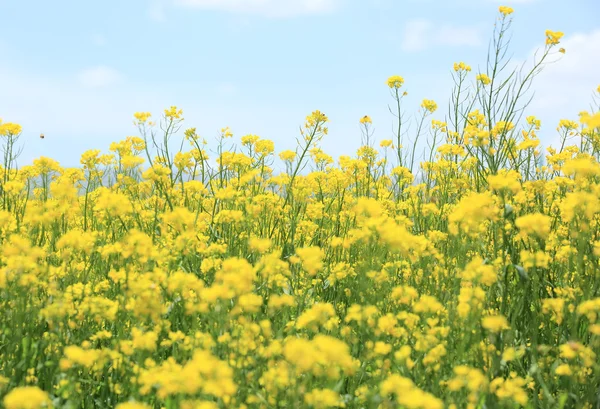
x=464, y=277
x=27, y=397
x=505, y=10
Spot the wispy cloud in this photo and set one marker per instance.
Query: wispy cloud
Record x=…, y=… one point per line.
x=266, y=8
x=422, y=34
x=98, y=77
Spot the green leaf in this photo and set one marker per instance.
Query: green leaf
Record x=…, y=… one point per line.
x=522, y=273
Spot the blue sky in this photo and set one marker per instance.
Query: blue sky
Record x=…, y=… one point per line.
x=78, y=70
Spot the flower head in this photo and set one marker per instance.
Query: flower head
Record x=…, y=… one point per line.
x=173, y=113
x=483, y=78
x=27, y=397
x=553, y=37
x=366, y=120
x=461, y=66
x=429, y=105
x=395, y=81
x=9, y=128
x=591, y=121
x=495, y=323
x=142, y=117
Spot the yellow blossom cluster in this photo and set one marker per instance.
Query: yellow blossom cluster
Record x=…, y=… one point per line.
x=466, y=276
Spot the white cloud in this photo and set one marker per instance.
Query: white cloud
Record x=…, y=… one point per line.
x=267, y=8
x=99, y=77
x=565, y=87
x=421, y=34
x=415, y=36
x=459, y=36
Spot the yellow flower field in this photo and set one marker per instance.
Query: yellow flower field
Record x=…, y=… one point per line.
x=164, y=275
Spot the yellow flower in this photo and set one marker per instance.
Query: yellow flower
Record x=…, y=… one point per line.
x=509, y=354
x=461, y=67
x=132, y=405
x=505, y=181
x=173, y=113
x=312, y=259
x=142, y=117
x=505, y=10
x=260, y=245
x=471, y=212
x=318, y=314
x=226, y=132
x=591, y=121
x=381, y=348
x=563, y=370
x=581, y=167
x=316, y=117
x=553, y=37
x=323, y=398
x=483, y=78
x=510, y=389
x=395, y=81
x=533, y=121
x=403, y=353
x=27, y=397
x=536, y=224
x=144, y=340
x=9, y=128
x=287, y=156
x=249, y=140
x=429, y=105
x=366, y=120
x=495, y=323
x=407, y=394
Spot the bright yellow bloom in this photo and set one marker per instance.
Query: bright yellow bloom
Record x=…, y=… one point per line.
x=534, y=225
x=483, y=78
x=173, y=113
x=9, y=128
x=142, y=117
x=27, y=397
x=461, y=66
x=366, y=120
x=287, y=155
x=510, y=389
x=563, y=370
x=429, y=105
x=132, y=405
x=495, y=323
x=395, y=81
x=591, y=121
x=553, y=37
x=226, y=132
x=323, y=398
